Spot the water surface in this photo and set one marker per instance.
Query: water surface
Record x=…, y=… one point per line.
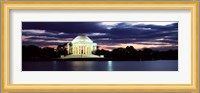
x=159, y=65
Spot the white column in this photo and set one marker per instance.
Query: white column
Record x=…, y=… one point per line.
x=75, y=50
x=88, y=48
x=68, y=48
x=83, y=49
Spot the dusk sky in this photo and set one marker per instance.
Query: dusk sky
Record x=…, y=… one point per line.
x=107, y=35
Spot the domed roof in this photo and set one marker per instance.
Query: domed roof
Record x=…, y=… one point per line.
x=82, y=39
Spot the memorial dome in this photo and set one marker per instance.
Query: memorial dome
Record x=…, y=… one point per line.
x=82, y=39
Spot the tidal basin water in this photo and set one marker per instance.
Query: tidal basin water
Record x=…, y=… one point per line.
x=159, y=65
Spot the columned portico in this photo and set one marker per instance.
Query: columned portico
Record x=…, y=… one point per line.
x=82, y=45
x=80, y=49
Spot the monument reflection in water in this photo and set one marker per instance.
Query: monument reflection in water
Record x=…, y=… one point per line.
x=92, y=66
x=159, y=65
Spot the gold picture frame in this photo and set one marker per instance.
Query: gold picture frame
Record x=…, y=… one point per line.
x=5, y=44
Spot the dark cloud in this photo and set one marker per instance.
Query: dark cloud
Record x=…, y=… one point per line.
x=42, y=43
x=43, y=38
x=118, y=34
x=126, y=33
x=67, y=27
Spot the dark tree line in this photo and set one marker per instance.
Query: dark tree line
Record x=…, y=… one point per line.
x=32, y=52
x=130, y=53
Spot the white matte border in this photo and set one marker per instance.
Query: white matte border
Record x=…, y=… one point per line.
x=183, y=76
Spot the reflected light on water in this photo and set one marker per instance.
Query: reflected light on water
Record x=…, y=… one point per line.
x=80, y=65
x=159, y=65
x=110, y=67
x=54, y=65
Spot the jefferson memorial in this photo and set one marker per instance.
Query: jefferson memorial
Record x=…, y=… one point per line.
x=81, y=47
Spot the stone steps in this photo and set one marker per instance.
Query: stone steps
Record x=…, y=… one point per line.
x=81, y=56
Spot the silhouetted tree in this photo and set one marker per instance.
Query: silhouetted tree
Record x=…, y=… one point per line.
x=32, y=52
x=119, y=53
x=98, y=51
x=61, y=50
x=147, y=54
x=48, y=52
